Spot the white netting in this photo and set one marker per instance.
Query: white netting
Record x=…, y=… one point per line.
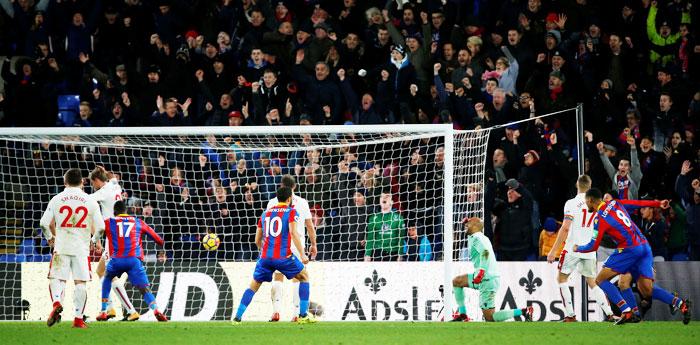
x=470, y=160
x=189, y=182
x=186, y=186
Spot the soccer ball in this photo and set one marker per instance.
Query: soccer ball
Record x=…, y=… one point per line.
x=211, y=242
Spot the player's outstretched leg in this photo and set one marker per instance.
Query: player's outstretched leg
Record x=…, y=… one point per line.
x=151, y=302
x=56, y=287
x=101, y=271
x=566, y=298
x=458, y=284
x=296, y=301
x=106, y=304
x=624, y=285
x=120, y=292
x=602, y=301
x=276, y=294
x=79, y=300
x=304, y=293
x=245, y=301
x=603, y=281
x=685, y=306
x=503, y=315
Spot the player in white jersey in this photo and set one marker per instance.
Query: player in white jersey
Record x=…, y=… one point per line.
x=303, y=225
x=107, y=192
x=577, y=229
x=69, y=223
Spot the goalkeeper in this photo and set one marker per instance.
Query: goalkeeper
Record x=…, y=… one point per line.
x=485, y=278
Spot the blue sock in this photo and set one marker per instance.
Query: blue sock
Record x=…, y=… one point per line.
x=664, y=296
x=303, y=298
x=628, y=295
x=245, y=300
x=613, y=295
x=150, y=300
x=106, y=288
x=517, y=312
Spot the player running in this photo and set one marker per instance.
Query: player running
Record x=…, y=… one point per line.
x=486, y=280
x=633, y=254
x=107, y=192
x=577, y=228
x=73, y=215
x=303, y=221
x=276, y=255
x=124, y=235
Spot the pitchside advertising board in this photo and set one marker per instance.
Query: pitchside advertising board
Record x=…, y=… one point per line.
x=201, y=291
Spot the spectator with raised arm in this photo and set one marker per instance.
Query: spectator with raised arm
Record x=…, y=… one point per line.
x=628, y=176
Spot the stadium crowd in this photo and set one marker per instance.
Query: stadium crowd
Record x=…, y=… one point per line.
x=634, y=65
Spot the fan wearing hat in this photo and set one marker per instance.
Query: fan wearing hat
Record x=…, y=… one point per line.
x=153, y=87
x=320, y=44
x=417, y=46
x=397, y=79
x=662, y=37
x=558, y=96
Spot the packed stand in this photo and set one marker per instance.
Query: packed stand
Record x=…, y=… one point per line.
x=475, y=64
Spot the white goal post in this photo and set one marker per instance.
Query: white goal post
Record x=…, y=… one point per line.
x=190, y=181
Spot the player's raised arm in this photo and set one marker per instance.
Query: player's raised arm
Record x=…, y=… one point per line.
x=631, y=205
x=151, y=233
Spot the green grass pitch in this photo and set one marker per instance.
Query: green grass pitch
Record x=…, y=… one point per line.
x=210, y=333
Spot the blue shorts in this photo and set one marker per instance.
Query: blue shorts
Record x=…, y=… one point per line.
x=290, y=267
x=637, y=260
x=131, y=266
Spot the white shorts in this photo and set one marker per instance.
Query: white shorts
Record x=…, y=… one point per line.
x=570, y=263
x=63, y=266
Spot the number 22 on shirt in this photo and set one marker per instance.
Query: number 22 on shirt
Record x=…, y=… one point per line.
x=69, y=216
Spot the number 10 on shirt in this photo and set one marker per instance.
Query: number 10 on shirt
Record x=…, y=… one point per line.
x=273, y=227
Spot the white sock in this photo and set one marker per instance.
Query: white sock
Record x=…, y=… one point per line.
x=56, y=288
x=295, y=295
x=599, y=295
x=276, y=295
x=566, y=299
x=79, y=300
x=120, y=292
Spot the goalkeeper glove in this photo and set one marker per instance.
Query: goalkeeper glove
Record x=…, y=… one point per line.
x=478, y=277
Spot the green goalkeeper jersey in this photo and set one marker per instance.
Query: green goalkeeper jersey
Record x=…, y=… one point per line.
x=482, y=256
x=386, y=232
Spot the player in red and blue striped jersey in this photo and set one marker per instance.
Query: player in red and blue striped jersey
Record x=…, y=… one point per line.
x=274, y=237
x=124, y=234
x=633, y=254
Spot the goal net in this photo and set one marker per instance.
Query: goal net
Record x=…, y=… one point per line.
x=382, y=194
